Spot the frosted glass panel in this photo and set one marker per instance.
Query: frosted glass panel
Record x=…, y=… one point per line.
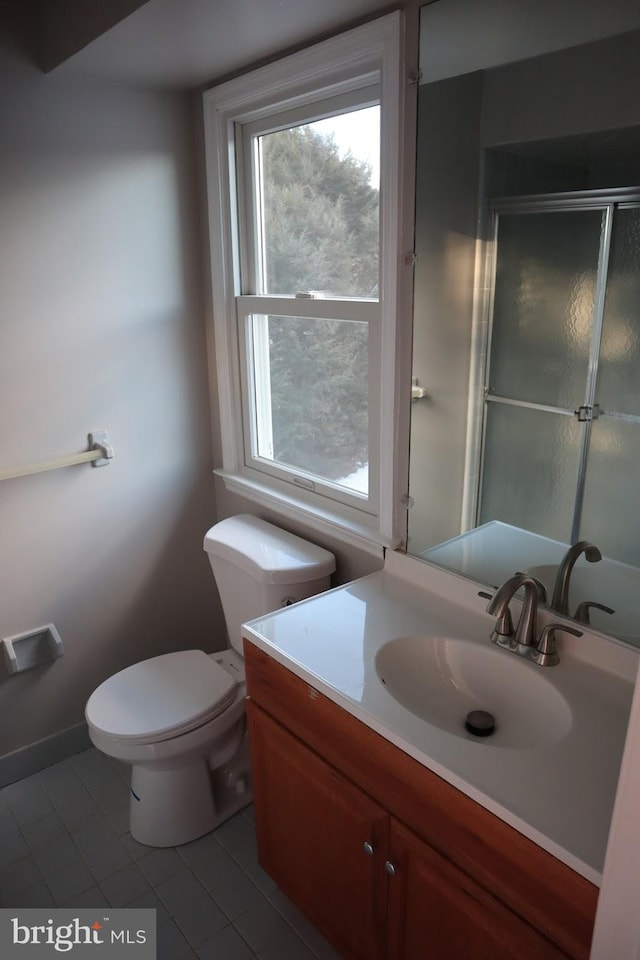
x=618, y=385
x=531, y=469
x=544, y=303
x=611, y=509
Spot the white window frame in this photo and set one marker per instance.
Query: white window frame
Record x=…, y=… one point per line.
x=370, y=54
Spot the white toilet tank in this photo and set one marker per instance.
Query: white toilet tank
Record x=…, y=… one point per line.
x=259, y=568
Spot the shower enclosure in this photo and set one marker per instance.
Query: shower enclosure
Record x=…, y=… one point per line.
x=559, y=446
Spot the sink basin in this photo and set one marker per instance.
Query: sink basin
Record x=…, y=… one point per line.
x=442, y=679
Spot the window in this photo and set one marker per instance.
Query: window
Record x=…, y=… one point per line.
x=304, y=251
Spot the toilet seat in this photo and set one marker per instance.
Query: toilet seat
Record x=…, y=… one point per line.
x=161, y=698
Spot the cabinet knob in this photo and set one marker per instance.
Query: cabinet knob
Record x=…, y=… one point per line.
x=389, y=867
x=368, y=848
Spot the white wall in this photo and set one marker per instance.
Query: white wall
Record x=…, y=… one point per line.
x=100, y=327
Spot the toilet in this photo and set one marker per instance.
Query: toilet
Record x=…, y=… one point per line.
x=179, y=719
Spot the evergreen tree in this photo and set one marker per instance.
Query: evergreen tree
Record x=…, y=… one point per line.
x=320, y=215
x=321, y=233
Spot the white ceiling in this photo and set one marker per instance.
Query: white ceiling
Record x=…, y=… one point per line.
x=189, y=43
x=461, y=36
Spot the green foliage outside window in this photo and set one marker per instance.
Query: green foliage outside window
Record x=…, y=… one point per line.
x=322, y=234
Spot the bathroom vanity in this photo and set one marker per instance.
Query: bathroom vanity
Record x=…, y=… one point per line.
x=400, y=836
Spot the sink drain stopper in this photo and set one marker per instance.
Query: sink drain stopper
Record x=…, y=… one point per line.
x=480, y=723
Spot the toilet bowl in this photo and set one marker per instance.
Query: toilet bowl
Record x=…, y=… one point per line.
x=179, y=718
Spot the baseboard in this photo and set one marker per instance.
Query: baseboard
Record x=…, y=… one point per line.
x=22, y=763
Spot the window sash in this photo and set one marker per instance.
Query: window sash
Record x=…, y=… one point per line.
x=362, y=311
x=249, y=168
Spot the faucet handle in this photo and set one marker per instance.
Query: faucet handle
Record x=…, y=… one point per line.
x=502, y=633
x=582, y=613
x=546, y=652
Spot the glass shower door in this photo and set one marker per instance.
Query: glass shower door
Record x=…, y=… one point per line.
x=545, y=333
x=611, y=507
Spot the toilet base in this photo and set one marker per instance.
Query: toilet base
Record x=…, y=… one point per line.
x=169, y=807
x=174, y=804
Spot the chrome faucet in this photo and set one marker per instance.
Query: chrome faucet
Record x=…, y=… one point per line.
x=524, y=637
x=560, y=598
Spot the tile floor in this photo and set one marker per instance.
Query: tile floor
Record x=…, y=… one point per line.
x=64, y=841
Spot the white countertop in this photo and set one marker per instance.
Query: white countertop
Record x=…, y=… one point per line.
x=559, y=794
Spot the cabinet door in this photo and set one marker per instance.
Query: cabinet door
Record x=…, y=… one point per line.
x=436, y=911
x=312, y=827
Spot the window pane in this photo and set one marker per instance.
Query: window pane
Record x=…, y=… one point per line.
x=311, y=396
x=319, y=210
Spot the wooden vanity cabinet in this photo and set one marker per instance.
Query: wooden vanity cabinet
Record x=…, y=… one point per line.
x=384, y=857
x=312, y=825
x=437, y=912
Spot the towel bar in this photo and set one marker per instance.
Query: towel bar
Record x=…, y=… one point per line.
x=100, y=454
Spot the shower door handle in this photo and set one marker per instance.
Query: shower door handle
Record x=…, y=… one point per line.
x=587, y=412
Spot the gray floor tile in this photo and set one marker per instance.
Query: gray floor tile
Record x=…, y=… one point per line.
x=18, y=876
x=67, y=827
x=57, y=778
x=22, y=791
x=122, y=769
x=52, y=858
x=227, y=944
x=111, y=862
x=159, y=865
x=91, y=766
x=137, y=850
x=113, y=796
x=119, y=820
x=75, y=805
x=41, y=833
x=7, y=822
x=124, y=886
x=35, y=806
x=320, y=947
x=230, y=887
x=152, y=901
x=172, y=945
x=38, y=895
x=93, y=834
x=261, y=926
x=303, y=927
x=93, y=897
x=200, y=921
x=180, y=890
x=239, y=839
x=70, y=881
x=101, y=849
x=234, y=833
x=99, y=777
x=13, y=847
x=199, y=851
x=289, y=946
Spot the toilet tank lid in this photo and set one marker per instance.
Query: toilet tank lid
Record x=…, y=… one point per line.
x=267, y=553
